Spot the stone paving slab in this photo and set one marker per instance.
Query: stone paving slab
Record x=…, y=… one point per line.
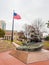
x=30, y=57
x=7, y=59
x=42, y=55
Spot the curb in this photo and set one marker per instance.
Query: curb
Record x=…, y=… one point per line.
x=16, y=45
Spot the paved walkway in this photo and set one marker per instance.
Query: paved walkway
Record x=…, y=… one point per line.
x=7, y=59
x=16, y=45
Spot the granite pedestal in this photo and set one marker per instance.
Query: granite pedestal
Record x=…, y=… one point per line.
x=30, y=57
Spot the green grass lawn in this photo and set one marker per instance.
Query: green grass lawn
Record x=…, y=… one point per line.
x=46, y=45
x=18, y=42
x=6, y=45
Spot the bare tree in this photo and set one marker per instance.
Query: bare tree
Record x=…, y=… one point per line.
x=29, y=31
x=26, y=30
x=47, y=24
x=39, y=26
x=35, y=30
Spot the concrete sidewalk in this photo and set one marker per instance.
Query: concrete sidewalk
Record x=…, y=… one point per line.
x=16, y=45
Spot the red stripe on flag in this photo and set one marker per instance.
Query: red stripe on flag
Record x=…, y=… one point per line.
x=16, y=16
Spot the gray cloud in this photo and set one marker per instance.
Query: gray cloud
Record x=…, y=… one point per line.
x=28, y=9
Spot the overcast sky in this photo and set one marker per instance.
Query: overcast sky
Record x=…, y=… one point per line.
x=29, y=10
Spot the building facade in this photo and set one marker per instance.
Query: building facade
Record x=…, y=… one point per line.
x=8, y=34
x=2, y=25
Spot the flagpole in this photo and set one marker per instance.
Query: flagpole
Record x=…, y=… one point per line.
x=12, y=28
